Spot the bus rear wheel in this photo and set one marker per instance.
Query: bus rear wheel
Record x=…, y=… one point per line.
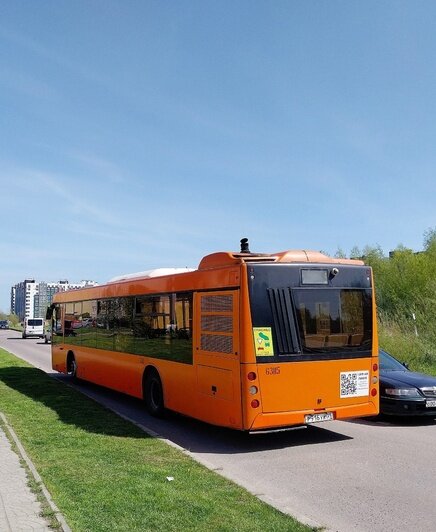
x=153, y=394
x=71, y=366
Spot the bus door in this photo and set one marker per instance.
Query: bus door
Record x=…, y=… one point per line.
x=216, y=357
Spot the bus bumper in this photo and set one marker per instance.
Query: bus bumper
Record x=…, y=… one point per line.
x=274, y=420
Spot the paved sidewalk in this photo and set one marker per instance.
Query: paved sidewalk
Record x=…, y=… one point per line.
x=19, y=508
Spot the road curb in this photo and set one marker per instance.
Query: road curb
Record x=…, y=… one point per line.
x=57, y=514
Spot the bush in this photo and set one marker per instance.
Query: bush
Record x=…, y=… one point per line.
x=405, y=285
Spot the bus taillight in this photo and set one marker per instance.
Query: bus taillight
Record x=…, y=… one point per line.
x=251, y=376
x=373, y=392
x=255, y=403
x=374, y=367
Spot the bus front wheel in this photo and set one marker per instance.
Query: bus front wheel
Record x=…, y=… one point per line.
x=153, y=394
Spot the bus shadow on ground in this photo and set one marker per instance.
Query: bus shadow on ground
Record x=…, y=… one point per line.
x=199, y=437
x=211, y=439
x=71, y=406
x=91, y=408
x=396, y=421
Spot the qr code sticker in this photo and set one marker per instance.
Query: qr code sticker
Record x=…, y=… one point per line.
x=354, y=383
x=348, y=384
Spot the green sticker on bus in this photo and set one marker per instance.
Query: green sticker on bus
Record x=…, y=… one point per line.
x=263, y=345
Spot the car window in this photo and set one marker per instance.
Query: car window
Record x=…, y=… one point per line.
x=389, y=363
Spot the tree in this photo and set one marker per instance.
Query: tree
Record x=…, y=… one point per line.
x=340, y=253
x=355, y=253
x=14, y=320
x=430, y=239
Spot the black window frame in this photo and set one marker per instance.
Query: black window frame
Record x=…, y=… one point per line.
x=280, y=280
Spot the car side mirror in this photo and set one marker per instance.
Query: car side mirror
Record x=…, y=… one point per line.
x=406, y=365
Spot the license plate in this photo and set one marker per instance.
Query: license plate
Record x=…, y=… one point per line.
x=316, y=418
x=430, y=403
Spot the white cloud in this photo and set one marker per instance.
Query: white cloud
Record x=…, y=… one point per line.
x=108, y=169
x=64, y=187
x=23, y=83
x=40, y=50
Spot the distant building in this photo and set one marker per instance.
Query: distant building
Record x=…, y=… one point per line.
x=22, y=298
x=30, y=299
x=12, y=298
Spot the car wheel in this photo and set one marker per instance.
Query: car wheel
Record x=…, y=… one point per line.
x=24, y=336
x=153, y=394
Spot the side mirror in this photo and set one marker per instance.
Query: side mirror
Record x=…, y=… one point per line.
x=406, y=365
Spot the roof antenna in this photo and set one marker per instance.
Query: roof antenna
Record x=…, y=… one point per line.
x=244, y=246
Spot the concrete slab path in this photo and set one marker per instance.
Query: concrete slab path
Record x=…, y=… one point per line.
x=19, y=508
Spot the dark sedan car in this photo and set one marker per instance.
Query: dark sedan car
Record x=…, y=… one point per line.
x=404, y=392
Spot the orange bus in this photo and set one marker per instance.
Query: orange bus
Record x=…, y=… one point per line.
x=249, y=341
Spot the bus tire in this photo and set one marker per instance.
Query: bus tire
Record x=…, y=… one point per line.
x=153, y=394
x=71, y=366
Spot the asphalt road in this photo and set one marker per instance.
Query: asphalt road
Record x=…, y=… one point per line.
x=363, y=475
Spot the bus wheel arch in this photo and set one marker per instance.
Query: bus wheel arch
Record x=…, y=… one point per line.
x=71, y=365
x=152, y=392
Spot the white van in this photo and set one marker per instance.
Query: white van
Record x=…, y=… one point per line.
x=33, y=327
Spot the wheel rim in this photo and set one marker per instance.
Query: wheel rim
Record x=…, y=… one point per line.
x=73, y=368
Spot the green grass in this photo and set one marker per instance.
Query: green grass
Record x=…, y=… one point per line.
x=401, y=341
x=105, y=474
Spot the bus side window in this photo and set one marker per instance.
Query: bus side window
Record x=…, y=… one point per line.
x=162, y=327
x=123, y=330
x=87, y=322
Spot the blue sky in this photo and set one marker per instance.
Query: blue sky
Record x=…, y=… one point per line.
x=146, y=134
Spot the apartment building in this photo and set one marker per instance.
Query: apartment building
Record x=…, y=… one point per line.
x=23, y=298
x=30, y=299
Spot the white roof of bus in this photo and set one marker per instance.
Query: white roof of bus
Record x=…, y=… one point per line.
x=158, y=272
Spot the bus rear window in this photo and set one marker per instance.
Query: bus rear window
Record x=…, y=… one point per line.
x=333, y=320
x=34, y=322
